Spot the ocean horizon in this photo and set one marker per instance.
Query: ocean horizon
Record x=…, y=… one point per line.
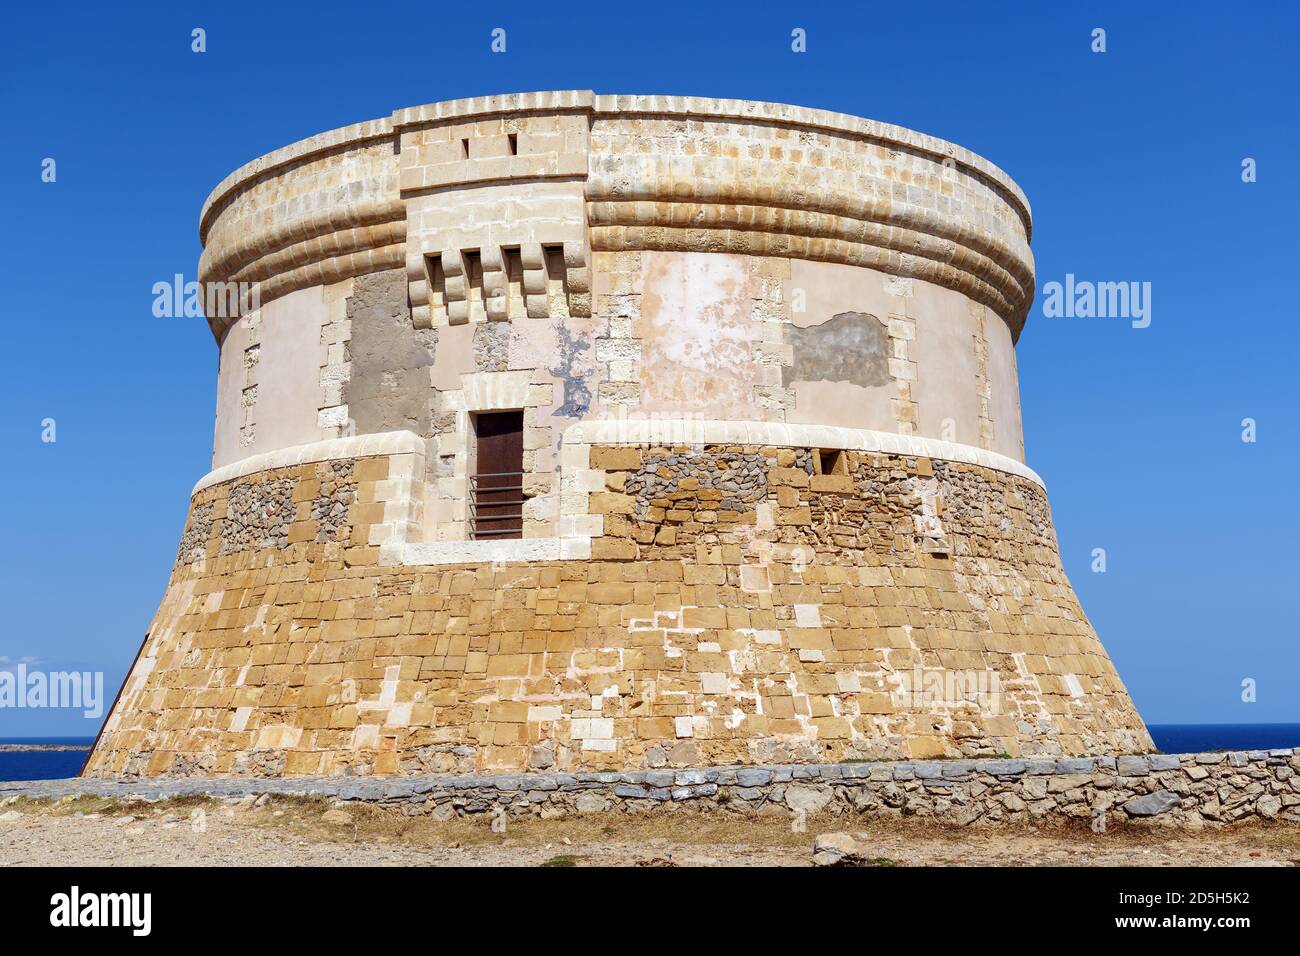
x=1169, y=738
x=43, y=764
x=1194, y=738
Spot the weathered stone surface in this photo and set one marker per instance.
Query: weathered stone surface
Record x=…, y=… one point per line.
x=194, y=539
x=1152, y=804
x=388, y=386
x=434, y=727
x=839, y=849
x=1002, y=767
x=740, y=479
x=1133, y=766
x=590, y=803
x=1268, y=807
x=329, y=509
x=1075, y=765
x=847, y=347
x=806, y=799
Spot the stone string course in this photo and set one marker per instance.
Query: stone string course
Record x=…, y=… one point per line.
x=1188, y=790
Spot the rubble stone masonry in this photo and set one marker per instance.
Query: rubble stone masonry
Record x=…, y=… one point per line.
x=1191, y=791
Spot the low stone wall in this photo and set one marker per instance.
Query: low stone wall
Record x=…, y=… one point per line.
x=1189, y=790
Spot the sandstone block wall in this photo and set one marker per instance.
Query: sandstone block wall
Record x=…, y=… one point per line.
x=734, y=603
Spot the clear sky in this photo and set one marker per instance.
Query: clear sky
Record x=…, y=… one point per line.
x=1131, y=158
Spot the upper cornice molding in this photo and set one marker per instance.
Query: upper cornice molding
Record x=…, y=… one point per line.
x=626, y=104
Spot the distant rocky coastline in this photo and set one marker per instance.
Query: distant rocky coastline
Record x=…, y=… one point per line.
x=26, y=748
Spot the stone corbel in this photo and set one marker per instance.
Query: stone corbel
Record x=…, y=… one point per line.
x=577, y=276
x=457, y=285
x=496, y=299
x=419, y=282
x=533, y=261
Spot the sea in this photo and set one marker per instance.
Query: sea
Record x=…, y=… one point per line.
x=1193, y=738
x=1169, y=738
x=43, y=764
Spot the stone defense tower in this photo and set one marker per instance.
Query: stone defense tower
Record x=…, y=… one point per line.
x=588, y=432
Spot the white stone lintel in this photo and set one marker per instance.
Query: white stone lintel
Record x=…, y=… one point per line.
x=482, y=552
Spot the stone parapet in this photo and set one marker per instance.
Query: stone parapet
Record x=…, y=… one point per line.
x=439, y=189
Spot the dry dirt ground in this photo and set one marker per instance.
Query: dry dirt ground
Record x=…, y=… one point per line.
x=292, y=832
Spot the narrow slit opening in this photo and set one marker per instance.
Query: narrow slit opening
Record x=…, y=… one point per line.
x=830, y=461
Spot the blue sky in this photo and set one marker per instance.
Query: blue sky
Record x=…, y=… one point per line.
x=1131, y=160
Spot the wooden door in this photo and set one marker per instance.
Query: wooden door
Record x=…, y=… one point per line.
x=497, y=487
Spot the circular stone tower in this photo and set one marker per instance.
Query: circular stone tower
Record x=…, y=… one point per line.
x=577, y=432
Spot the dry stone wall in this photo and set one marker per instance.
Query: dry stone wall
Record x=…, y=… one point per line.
x=1191, y=791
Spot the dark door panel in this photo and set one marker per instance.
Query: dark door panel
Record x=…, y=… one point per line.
x=497, y=487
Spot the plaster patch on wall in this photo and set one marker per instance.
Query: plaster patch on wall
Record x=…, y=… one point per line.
x=849, y=347
x=572, y=367
x=390, y=386
x=697, y=330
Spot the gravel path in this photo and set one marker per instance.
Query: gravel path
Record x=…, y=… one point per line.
x=305, y=833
